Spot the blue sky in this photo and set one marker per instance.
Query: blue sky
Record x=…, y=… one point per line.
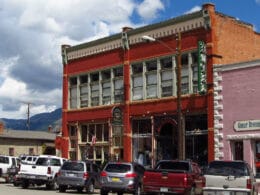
x=31, y=33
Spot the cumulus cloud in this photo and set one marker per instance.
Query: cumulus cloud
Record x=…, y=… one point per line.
x=194, y=9
x=31, y=35
x=149, y=9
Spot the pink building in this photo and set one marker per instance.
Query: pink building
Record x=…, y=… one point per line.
x=237, y=112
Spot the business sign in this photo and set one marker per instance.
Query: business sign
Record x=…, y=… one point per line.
x=202, y=64
x=248, y=125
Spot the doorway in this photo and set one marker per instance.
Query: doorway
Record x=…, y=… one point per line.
x=167, y=142
x=238, y=150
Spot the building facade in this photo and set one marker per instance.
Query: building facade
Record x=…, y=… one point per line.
x=237, y=118
x=20, y=142
x=124, y=98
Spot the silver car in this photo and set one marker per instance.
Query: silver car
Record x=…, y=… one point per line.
x=78, y=175
x=121, y=177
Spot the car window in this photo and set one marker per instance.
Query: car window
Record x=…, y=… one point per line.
x=42, y=161
x=118, y=168
x=227, y=168
x=73, y=166
x=4, y=159
x=55, y=162
x=183, y=166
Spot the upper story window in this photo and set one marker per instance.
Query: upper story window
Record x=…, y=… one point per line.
x=103, y=87
x=137, y=81
x=166, y=76
x=106, y=87
x=184, y=74
x=83, y=89
x=94, y=87
x=73, y=92
x=151, y=79
x=118, y=82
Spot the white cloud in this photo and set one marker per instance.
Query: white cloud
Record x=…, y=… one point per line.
x=149, y=9
x=34, y=31
x=194, y=9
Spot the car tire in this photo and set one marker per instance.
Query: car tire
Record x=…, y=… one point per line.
x=79, y=189
x=62, y=188
x=103, y=192
x=25, y=184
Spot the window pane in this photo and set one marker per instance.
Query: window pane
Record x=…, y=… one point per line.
x=151, y=79
x=138, y=81
x=167, y=75
x=151, y=65
x=152, y=91
x=137, y=68
x=166, y=63
x=138, y=93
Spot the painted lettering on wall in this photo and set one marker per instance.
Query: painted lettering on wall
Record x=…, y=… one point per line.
x=247, y=125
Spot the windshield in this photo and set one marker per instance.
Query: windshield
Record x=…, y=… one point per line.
x=73, y=166
x=118, y=168
x=227, y=168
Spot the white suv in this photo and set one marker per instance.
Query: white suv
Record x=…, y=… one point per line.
x=229, y=177
x=7, y=162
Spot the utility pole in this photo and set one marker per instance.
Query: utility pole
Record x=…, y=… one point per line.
x=28, y=114
x=181, y=133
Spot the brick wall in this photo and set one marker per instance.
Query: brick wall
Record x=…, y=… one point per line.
x=235, y=41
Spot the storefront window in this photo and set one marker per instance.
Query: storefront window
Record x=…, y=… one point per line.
x=142, y=141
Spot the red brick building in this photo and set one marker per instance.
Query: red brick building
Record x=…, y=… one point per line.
x=120, y=98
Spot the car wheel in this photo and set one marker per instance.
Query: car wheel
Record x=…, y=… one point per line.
x=91, y=187
x=103, y=192
x=25, y=184
x=62, y=188
x=80, y=189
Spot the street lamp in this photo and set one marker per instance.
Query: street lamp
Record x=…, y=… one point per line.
x=181, y=135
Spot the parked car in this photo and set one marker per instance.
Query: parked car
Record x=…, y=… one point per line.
x=121, y=177
x=7, y=162
x=43, y=172
x=229, y=177
x=78, y=175
x=173, y=177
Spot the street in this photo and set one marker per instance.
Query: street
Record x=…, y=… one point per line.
x=9, y=189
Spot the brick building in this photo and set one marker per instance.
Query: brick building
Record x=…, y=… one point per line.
x=120, y=95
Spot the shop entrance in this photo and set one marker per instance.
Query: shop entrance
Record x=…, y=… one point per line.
x=167, y=142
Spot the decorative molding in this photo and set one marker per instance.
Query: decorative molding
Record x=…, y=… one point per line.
x=159, y=32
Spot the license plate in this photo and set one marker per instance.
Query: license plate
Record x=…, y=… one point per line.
x=70, y=174
x=223, y=193
x=32, y=177
x=164, y=189
x=115, y=179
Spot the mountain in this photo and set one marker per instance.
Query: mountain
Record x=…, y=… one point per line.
x=38, y=122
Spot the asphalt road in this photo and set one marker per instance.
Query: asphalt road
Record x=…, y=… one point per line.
x=9, y=189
